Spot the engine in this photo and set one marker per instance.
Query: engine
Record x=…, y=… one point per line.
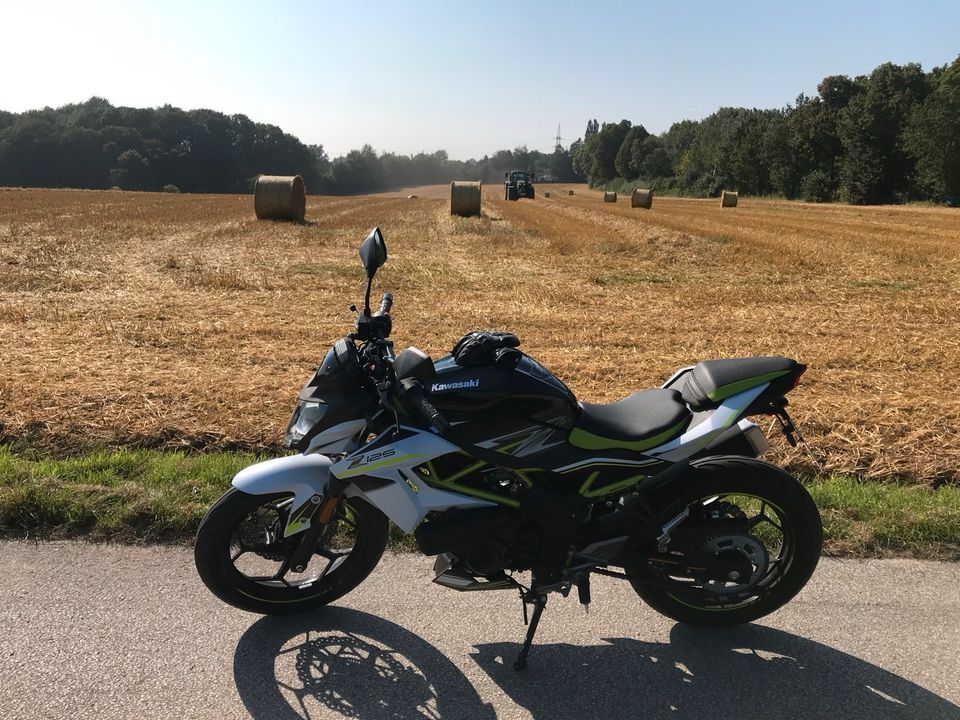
x=485, y=541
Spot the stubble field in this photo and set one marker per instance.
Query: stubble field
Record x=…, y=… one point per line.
x=181, y=321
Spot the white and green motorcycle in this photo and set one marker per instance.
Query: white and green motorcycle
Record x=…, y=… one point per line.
x=495, y=468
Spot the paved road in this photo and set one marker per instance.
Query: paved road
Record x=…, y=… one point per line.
x=122, y=632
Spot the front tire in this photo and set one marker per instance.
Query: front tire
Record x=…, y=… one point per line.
x=242, y=557
x=783, y=556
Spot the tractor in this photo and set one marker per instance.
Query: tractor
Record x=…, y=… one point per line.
x=517, y=184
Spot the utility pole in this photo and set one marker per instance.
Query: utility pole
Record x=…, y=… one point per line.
x=558, y=147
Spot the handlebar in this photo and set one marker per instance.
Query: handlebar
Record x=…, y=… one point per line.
x=413, y=396
x=386, y=302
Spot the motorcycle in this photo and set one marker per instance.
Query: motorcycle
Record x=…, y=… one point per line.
x=496, y=469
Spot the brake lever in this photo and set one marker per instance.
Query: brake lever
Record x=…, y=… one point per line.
x=383, y=388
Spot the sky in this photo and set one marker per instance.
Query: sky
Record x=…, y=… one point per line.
x=470, y=78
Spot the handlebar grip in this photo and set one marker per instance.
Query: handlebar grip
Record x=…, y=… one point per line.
x=386, y=302
x=413, y=394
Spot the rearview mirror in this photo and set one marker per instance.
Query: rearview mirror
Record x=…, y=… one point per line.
x=373, y=252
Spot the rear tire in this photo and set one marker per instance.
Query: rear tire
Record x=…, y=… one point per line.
x=794, y=559
x=217, y=543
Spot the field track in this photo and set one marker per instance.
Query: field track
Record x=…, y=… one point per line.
x=174, y=320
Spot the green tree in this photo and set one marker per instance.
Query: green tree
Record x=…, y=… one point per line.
x=727, y=152
x=627, y=161
x=581, y=157
x=358, y=171
x=933, y=136
x=651, y=159
x=132, y=172
x=599, y=152
x=678, y=141
x=561, y=165
x=573, y=151
x=779, y=157
x=876, y=166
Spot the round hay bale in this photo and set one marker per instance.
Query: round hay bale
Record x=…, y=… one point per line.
x=728, y=199
x=641, y=198
x=609, y=196
x=276, y=197
x=464, y=198
x=411, y=197
x=569, y=192
x=546, y=194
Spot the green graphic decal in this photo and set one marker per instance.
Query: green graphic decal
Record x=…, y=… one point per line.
x=431, y=475
x=587, y=489
x=588, y=441
x=363, y=469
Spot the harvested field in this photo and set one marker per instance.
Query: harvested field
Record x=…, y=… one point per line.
x=180, y=320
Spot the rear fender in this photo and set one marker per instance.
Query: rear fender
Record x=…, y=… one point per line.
x=744, y=438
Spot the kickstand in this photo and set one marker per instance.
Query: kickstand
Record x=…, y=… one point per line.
x=539, y=603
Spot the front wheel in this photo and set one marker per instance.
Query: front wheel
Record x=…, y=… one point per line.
x=750, y=543
x=243, y=558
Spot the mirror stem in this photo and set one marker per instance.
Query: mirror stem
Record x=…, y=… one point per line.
x=366, y=297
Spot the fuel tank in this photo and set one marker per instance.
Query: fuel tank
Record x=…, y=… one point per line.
x=514, y=411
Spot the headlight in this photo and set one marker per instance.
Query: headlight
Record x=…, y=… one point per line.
x=305, y=417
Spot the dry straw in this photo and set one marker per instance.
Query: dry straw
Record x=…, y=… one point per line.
x=728, y=199
x=546, y=194
x=569, y=192
x=609, y=197
x=464, y=198
x=277, y=197
x=641, y=198
x=871, y=404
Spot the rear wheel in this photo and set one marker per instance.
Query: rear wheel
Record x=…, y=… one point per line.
x=243, y=559
x=750, y=543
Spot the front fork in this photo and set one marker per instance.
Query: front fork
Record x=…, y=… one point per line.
x=324, y=510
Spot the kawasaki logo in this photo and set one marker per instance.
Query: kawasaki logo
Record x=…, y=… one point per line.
x=440, y=387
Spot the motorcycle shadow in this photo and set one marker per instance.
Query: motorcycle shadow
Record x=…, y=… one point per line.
x=746, y=672
x=351, y=663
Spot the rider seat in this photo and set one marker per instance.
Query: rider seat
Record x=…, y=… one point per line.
x=641, y=421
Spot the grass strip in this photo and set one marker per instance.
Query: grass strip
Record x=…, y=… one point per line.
x=125, y=495
x=864, y=518
x=157, y=496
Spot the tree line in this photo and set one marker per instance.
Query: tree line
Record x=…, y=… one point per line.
x=890, y=136
x=365, y=171
x=96, y=145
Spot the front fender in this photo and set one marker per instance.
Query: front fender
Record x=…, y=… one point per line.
x=302, y=475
